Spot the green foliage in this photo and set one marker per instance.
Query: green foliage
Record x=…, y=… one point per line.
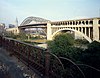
x=62, y=45
x=94, y=47
x=22, y=36
x=64, y=38
x=91, y=56
x=10, y=34
x=81, y=41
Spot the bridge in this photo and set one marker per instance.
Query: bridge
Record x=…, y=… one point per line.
x=84, y=28
x=42, y=61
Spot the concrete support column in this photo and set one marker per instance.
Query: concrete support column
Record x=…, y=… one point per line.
x=95, y=30
x=49, y=32
x=85, y=31
x=82, y=29
x=89, y=32
x=75, y=33
x=57, y=28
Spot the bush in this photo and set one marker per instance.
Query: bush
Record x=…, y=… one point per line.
x=81, y=41
x=91, y=56
x=11, y=35
x=62, y=45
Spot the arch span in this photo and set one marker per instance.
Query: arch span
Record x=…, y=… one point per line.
x=81, y=34
x=29, y=20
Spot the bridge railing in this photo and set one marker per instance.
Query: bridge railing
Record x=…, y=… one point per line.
x=38, y=59
x=28, y=54
x=76, y=22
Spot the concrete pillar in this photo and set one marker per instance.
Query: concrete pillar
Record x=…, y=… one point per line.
x=85, y=31
x=75, y=33
x=95, y=30
x=82, y=29
x=89, y=32
x=49, y=32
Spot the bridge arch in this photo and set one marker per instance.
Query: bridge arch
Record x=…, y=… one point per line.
x=80, y=33
x=31, y=20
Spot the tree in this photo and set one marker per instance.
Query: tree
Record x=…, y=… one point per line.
x=63, y=45
x=91, y=56
x=88, y=60
x=22, y=36
x=10, y=34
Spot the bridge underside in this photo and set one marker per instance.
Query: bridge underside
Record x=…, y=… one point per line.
x=76, y=34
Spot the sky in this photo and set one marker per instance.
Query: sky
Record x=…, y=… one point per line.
x=53, y=10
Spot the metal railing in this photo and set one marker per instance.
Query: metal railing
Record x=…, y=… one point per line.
x=38, y=59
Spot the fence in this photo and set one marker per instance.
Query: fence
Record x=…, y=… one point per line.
x=46, y=64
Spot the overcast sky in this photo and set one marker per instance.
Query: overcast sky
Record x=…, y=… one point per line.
x=49, y=9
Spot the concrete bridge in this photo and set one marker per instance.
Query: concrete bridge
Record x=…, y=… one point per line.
x=87, y=28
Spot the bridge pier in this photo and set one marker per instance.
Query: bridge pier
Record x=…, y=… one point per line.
x=89, y=32
x=95, y=30
x=49, y=32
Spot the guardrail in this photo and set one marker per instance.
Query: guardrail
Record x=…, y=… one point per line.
x=38, y=59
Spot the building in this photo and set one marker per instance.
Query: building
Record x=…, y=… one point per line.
x=2, y=27
x=11, y=26
x=14, y=30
